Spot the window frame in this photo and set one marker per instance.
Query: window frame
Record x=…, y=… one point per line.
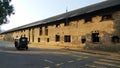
x=38, y=39
x=67, y=38
x=40, y=31
x=57, y=38
x=46, y=30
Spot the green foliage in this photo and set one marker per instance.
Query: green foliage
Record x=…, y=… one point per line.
x=6, y=9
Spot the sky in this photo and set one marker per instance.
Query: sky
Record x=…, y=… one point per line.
x=29, y=11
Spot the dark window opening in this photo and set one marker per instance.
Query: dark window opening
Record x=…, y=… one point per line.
x=57, y=25
x=95, y=37
x=66, y=23
x=106, y=17
x=115, y=39
x=46, y=27
x=33, y=35
x=57, y=38
x=46, y=30
x=88, y=19
x=38, y=39
x=48, y=39
x=83, y=40
x=29, y=35
x=67, y=38
x=40, y=31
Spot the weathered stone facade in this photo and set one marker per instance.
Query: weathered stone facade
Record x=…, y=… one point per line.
x=99, y=31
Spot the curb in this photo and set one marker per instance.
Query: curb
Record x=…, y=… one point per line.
x=96, y=52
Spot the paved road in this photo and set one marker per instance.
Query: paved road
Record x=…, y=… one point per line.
x=52, y=58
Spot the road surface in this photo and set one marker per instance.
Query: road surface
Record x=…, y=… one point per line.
x=52, y=58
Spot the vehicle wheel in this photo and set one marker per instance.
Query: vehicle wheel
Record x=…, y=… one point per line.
x=26, y=48
x=18, y=48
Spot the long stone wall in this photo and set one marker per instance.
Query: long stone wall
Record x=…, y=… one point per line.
x=77, y=30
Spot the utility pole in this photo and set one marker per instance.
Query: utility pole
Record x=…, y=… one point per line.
x=67, y=22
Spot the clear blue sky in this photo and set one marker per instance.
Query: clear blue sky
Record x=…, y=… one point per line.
x=28, y=11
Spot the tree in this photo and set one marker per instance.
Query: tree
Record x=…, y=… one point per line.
x=6, y=9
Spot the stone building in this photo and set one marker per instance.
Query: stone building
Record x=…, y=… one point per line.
x=94, y=27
